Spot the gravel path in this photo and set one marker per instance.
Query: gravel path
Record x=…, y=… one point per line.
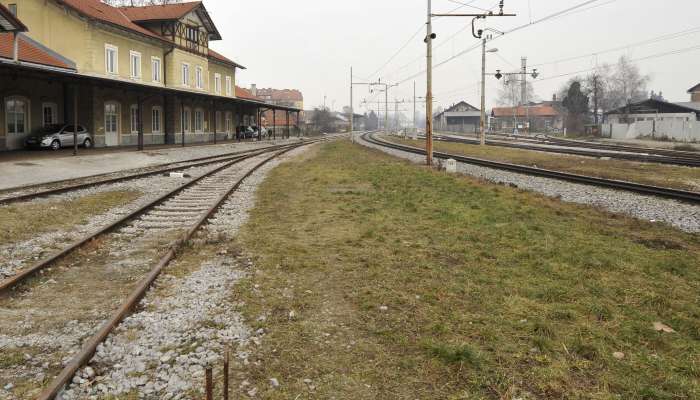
x=183, y=323
x=681, y=215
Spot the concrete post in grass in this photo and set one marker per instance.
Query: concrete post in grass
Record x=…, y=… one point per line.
x=451, y=166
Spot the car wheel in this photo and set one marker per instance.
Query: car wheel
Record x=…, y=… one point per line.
x=87, y=143
x=55, y=145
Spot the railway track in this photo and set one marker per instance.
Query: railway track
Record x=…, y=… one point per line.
x=38, y=266
x=675, y=194
x=571, y=147
x=179, y=214
x=31, y=192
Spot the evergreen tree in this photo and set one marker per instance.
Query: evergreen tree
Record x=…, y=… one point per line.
x=576, y=103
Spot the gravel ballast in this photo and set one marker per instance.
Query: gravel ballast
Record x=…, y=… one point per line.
x=183, y=324
x=15, y=256
x=680, y=215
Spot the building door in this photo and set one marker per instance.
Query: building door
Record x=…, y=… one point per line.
x=17, y=122
x=111, y=124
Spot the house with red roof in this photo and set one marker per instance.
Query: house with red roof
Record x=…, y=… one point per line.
x=139, y=75
x=280, y=97
x=542, y=117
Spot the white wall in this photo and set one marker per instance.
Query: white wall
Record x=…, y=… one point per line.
x=671, y=129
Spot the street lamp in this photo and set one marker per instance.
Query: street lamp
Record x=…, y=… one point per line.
x=483, y=90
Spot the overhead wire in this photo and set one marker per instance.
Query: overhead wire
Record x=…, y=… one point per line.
x=517, y=28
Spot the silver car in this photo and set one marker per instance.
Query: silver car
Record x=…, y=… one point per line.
x=56, y=136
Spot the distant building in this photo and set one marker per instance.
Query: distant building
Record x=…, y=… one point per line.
x=279, y=97
x=461, y=117
x=654, y=119
x=695, y=93
x=536, y=117
x=654, y=110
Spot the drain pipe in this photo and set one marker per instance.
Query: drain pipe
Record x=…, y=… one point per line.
x=15, y=46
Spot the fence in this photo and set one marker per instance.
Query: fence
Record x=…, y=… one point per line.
x=672, y=129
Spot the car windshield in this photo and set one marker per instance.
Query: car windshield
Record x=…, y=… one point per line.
x=48, y=129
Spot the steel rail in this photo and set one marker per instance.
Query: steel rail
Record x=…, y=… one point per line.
x=692, y=155
x=24, y=274
x=675, y=194
x=196, y=162
x=90, y=346
x=542, y=146
x=619, y=147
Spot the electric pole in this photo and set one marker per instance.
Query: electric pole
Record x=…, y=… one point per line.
x=415, y=125
x=352, y=107
x=429, y=95
x=523, y=82
x=479, y=35
x=483, y=92
x=523, y=87
x=352, y=111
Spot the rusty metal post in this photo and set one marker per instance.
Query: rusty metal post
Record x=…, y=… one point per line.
x=226, y=365
x=209, y=384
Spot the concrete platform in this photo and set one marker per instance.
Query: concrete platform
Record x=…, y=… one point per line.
x=25, y=168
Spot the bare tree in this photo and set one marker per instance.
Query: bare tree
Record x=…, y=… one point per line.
x=626, y=84
x=509, y=94
x=611, y=86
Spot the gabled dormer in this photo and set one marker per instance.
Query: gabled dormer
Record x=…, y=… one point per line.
x=187, y=25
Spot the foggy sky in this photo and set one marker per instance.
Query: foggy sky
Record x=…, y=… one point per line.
x=311, y=44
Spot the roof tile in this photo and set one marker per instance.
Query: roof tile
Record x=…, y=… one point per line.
x=29, y=52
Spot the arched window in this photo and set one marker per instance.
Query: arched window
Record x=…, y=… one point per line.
x=17, y=115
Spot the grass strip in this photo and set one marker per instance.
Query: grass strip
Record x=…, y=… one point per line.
x=23, y=221
x=377, y=279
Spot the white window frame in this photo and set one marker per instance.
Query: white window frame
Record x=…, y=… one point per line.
x=135, y=64
x=54, y=113
x=134, y=118
x=199, y=113
x=185, y=74
x=156, y=64
x=199, y=77
x=228, y=121
x=117, y=116
x=158, y=118
x=229, y=86
x=112, y=48
x=27, y=117
x=186, y=119
x=217, y=83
